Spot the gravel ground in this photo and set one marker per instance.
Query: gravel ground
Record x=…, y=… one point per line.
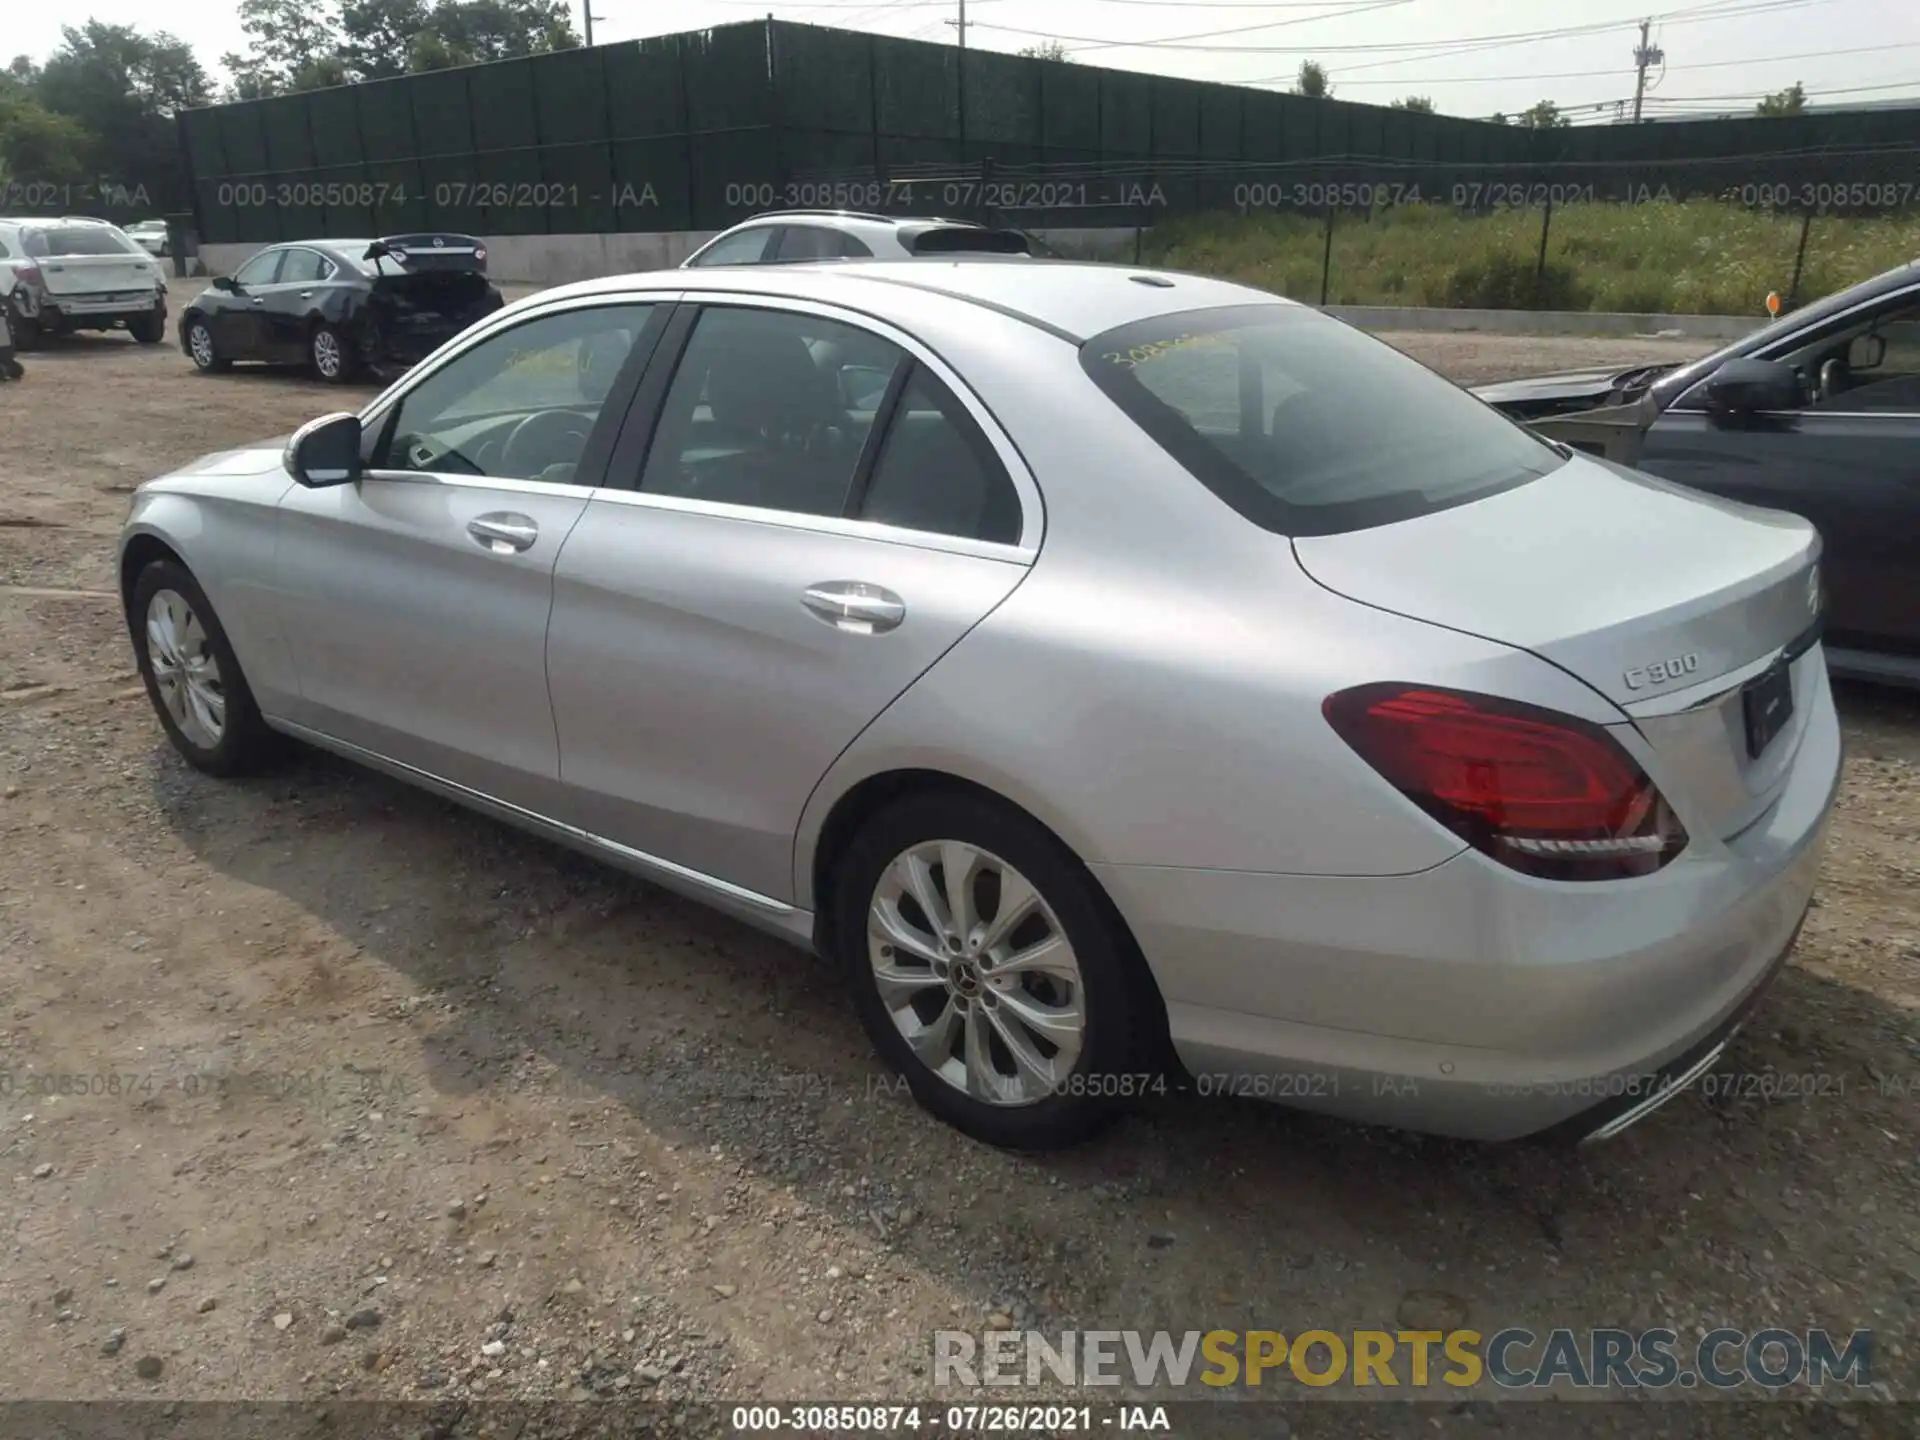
x=370, y=1097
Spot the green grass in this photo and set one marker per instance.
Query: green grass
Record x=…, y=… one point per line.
x=1699, y=257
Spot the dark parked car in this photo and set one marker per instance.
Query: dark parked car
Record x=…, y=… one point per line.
x=1817, y=413
x=343, y=307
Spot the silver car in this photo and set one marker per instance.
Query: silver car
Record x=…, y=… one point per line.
x=1134, y=682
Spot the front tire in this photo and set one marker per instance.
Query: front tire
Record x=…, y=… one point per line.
x=200, y=348
x=330, y=355
x=192, y=676
x=989, y=973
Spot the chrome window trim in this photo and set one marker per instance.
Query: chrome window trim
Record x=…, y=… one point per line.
x=505, y=485
x=1032, y=502
x=507, y=318
x=823, y=525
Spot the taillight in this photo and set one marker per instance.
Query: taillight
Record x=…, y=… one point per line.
x=1544, y=793
x=27, y=274
x=480, y=254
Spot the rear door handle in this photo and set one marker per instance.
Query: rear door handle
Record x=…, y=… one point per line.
x=259, y=299
x=306, y=294
x=855, y=606
x=503, y=532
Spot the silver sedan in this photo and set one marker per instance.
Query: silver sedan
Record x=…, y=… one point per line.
x=1134, y=682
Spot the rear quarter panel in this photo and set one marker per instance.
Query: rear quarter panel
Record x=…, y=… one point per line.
x=1152, y=693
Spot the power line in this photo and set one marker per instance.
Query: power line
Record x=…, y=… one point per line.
x=1616, y=69
x=1457, y=45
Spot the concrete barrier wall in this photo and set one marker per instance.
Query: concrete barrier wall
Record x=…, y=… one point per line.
x=539, y=260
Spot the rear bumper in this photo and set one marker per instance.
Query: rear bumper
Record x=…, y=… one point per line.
x=81, y=311
x=1468, y=1000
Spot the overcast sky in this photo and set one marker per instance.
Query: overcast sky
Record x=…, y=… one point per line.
x=1718, y=52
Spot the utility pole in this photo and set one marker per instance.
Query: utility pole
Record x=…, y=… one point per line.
x=587, y=11
x=1644, y=54
x=961, y=24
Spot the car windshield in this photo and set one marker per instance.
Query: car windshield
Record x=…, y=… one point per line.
x=76, y=240
x=1305, y=425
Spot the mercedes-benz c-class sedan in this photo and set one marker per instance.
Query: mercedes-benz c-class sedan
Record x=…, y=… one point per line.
x=1133, y=681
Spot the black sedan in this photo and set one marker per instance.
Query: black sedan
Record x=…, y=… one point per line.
x=344, y=308
x=1816, y=413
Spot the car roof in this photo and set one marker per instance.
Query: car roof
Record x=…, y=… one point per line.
x=1073, y=300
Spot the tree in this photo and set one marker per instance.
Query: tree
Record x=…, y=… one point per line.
x=1414, y=104
x=1045, y=50
x=37, y=146
x=478, y=30
x=121, y=89
x=377, y=36
x=1544, y=116
x=1790, y=101
x=1313, y=81
x=286, y=39
x=1498, y=117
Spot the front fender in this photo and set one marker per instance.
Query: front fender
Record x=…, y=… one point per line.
x=225, y=535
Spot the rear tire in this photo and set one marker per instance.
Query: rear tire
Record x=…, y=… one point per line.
x=148, y=329
x=26, y=332
x=200, y=349
x=330, y=354
x=951, y=1014
x=193, y=677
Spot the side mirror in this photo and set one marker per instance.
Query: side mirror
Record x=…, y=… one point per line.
x=1865, y=352
x=225, y=282
x=325, y=452
x=1744, y=386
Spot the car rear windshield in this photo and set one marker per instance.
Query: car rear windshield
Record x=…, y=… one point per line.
x=970, y=240
x=1305, y=425
x=77, y=240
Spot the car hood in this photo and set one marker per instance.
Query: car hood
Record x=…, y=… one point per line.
x=252, y=459
x=1571, y=390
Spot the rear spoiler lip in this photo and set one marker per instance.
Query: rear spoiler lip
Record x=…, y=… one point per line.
x=428, y=245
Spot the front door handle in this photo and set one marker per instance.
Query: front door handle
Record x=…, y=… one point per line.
x=855, y=606
x=503, y=532
x=259, y=299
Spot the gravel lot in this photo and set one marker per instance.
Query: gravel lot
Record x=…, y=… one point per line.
x=381, y=1099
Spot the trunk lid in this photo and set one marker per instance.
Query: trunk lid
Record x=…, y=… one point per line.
x=1669, y=603
x=97, y=275
x=431, y=305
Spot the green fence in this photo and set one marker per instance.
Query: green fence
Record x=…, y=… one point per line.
x=697, y=131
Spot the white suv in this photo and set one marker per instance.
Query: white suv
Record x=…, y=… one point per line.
x=76, y=273
x=793, y=237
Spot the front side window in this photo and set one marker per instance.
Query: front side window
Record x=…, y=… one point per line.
x=1305, y=425
x=745, y=248
x=259, y=270
x=768, y=408
x=519, y=405
x=304, y=267
x=1870, y=365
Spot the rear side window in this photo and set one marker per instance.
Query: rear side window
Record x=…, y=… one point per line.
x=937, y=473
x=1305, y=425
x=78, y=240
x=813, y=242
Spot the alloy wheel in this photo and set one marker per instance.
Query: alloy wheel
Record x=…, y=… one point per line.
x=185, y=670
x=200, y=342
x=977, y=973
x=327, y=358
